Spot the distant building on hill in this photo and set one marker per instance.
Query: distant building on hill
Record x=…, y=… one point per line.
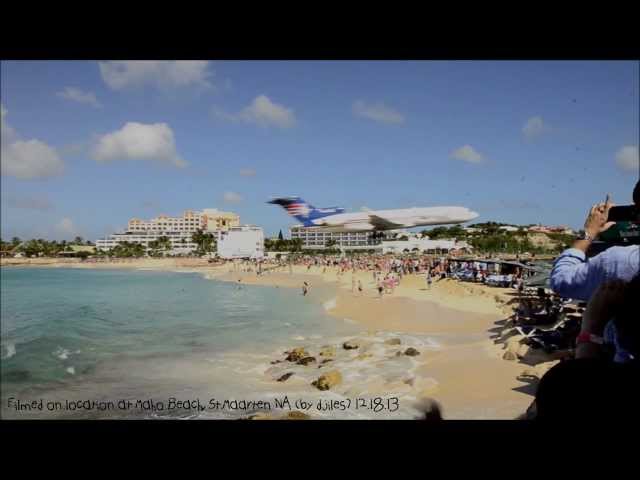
x=546, y=229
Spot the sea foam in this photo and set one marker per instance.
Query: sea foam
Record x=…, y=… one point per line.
x=330, y=304
x=11, y=350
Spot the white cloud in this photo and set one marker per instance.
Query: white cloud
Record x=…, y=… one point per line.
x=66, y=227
x=232, y=197
x=247, y=172
x=29, y=203
x=467, y=154
x=377, y=112
x=262, y=111
x=30, y=159
x=627, y=158
x=534, y=127
x=139, y=141
x=162, y=74
x=77, y=95
x=26, y=160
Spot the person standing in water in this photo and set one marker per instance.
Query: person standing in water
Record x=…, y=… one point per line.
x=305, y=288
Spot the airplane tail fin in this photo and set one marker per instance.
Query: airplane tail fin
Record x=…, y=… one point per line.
x=303, y=211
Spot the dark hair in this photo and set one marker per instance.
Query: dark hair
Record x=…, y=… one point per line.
x=636, y=194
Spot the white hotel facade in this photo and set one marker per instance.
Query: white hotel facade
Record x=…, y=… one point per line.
x=317, y=238
x=233, y=239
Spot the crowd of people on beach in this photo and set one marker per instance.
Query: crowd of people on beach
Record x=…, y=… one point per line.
x=387, y=271
x=601, y=375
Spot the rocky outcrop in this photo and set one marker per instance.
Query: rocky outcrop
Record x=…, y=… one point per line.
x=350, y=345
x=285, y=377
x=324, y=362
x=296, y=354
x=364, y=356
x=328, y=380
x=411, y=352
x=328, y=351
x=306, y=361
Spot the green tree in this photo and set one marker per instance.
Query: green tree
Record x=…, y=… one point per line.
x=280, y=236
x=78, y=240
x=296, y=244
x=206, y=242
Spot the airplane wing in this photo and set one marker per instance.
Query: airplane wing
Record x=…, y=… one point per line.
x=380, y=223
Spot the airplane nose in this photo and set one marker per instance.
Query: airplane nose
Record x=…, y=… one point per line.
x=471, y=214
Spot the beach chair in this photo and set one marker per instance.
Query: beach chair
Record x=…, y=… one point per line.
x=560, y=336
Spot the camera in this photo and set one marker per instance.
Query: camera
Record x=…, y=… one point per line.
x=623, y=233
x=624, y=213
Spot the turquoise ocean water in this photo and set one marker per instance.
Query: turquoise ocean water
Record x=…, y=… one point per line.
x=111, y=335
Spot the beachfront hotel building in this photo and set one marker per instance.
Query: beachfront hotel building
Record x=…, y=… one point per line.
x=317, y=238
x=181, y=243
x=208, y=220
x=179, y=230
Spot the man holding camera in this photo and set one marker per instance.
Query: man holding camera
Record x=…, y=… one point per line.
x=576, y=276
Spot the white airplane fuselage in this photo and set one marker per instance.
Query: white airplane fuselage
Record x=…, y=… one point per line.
x=396, y=218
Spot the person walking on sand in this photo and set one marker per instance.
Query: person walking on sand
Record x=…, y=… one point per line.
x=353, y=283
x=359, y=287
x=380, y=289
x=428, y=278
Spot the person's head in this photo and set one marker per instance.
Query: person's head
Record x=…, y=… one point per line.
x=636, y=194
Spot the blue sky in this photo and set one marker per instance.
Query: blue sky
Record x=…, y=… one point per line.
x=88, y=145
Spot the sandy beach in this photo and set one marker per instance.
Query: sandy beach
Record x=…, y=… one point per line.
x=474, y=381
x=469, y=321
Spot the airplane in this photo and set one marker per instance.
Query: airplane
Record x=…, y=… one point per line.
x=335, y=218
